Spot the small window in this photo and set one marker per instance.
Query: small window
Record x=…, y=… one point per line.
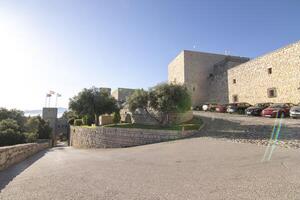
x=269, y=70
x=272, y=92
x=194, y=89
x=235, y=98
x=234, y=81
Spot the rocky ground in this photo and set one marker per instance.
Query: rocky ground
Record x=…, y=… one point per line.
x=249, y=129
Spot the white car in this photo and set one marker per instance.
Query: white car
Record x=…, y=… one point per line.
x=295, y=111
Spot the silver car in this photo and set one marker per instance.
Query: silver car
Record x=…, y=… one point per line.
x=295, y=111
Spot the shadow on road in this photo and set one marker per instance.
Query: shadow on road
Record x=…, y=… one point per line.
x=10, y=173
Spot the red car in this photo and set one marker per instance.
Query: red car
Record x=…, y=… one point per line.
x=221, y=108
x=277, y=110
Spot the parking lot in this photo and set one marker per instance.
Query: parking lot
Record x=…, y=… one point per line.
x=244, y=119
x=250, y=129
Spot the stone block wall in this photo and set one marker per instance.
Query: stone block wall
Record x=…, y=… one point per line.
x=10, y=155
x=194, y=69
x=106, y=137
x=253, y=78
x=105, y=119
x=141, y=117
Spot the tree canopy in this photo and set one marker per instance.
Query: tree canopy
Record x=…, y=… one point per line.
x=92, y=103
x=15, y=128
x=164, y=98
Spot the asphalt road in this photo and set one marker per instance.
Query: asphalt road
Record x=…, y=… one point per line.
x=196, y=168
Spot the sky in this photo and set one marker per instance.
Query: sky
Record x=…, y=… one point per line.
x=68, y=45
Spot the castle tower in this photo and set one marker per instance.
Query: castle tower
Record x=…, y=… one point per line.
x=50, y=115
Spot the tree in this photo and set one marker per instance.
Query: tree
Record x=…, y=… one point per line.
x=38, y=126
x=10, y=133
x=92, y=102
x=70, y=116
x=163, y=98
x=14, y=114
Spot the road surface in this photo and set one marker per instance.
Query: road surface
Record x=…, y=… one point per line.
x=196, y=168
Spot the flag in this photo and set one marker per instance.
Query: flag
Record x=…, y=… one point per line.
x=58, y=95
x=48, y=95
x=51, y=92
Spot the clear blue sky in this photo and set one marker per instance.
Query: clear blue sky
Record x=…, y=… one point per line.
x=66, y=45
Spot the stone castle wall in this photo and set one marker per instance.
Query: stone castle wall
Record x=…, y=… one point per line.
x=108, y=137
x=10, y=155
x=253, y=79
x=195, y=69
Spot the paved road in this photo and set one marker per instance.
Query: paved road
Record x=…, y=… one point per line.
x=196, y=168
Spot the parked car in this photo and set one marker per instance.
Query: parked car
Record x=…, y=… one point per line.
x=277, y=110
x=221, y=108
x=209, y=107
x=295, y=111
x=237, y=107
x=257, y=109
x=199, y=107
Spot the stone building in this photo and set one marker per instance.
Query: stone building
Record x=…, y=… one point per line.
x=122, y=94
x=50, y=115
x=59, y=126
x=274, y=77
x=204, y=74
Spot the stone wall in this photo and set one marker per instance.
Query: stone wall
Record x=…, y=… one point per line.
x=122, y=94
x=10, y=155
x=106, y=137
x=194, y=69
x=253, y=78
x=141, y=117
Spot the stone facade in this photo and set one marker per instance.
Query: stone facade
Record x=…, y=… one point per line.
x=204, y=74
x=106, y=137
x=278, y=71
x=50, y=115
x=122, y=94
x=10, y=155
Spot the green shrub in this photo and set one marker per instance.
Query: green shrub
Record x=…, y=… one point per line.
x=11, y=137
x=116, y=117
x=78, y=122
x=31, y=137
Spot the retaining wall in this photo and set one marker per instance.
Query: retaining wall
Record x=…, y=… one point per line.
x=10, y=155
x=107, y=137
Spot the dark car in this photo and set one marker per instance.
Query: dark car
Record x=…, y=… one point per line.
x=257, y=109
x=209, y=107
x=237, y=107
x=277, y=110
x=221, y=108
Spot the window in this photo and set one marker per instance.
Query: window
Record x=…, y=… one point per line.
x=269, y=70
x=194, y=88
x=234, y=81
x=235, y=98
x=272, y=92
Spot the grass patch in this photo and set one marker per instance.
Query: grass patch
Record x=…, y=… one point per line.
x=194, y=124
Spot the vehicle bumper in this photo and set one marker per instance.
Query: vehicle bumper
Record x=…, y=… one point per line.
x=295, y=114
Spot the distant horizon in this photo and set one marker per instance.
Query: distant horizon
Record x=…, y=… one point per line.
x=69, y=45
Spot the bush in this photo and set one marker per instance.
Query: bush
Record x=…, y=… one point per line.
x=116, y=117
x=78, y=122
x=31, y=137
x=11, y=137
